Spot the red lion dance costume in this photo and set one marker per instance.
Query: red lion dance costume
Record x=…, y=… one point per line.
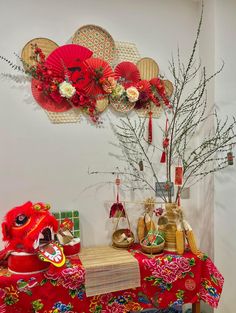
x=27, y=230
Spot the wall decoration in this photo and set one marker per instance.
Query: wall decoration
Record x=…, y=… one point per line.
x=91, y=74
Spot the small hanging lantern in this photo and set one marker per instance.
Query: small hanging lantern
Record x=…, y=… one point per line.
x=140, y=164
x=179, y=175
x=230, y=158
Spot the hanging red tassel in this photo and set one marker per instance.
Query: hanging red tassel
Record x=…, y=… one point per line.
x=165, y=143
x=150, y=128
x=163, y=157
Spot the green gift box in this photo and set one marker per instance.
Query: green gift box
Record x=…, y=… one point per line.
x=73, y=216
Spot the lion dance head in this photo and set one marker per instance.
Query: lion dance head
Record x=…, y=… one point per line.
x=28, y=226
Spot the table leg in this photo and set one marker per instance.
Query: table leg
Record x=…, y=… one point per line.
x=196, y=307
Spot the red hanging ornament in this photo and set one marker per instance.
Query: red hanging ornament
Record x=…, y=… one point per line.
x=178, y=175
x=150, y=128
x=117, y=209
x=165, y=143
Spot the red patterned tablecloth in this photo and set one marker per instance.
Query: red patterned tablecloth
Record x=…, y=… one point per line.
x=167, y=280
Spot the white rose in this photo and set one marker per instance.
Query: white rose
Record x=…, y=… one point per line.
x=132, y=94
x=66, y=90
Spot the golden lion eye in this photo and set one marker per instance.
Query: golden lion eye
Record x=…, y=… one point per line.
x=21, y=220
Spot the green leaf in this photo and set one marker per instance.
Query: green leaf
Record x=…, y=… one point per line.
x=192, y=262
x=214, y=280
x=191, y=274
x=53, y=282
x=73, y=293
x=43, y=281
x=168, y=287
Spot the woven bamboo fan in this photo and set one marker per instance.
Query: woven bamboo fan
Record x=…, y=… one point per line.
x=169, y=88
x=47, y=46
x=156, y=111
x=148, y=68
x=71, y=116
x=96, y=39
x=121, y=106
x=102, y=104
x=126, y=51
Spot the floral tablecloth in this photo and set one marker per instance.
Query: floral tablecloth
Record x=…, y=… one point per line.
x=167, y=281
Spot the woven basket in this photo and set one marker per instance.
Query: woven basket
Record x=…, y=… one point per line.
x=118, y=232
x=152, y=249
x=116, y=235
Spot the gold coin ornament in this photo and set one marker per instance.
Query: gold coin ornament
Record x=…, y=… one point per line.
x=148, y=68
x=27, y=53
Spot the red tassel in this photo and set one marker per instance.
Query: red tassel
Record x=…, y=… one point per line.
x=163, y=157
x=150, y=128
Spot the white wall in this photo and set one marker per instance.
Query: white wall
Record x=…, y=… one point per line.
x=225, y=198
x=44, y=162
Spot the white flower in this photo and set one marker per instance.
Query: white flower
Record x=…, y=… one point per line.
x=67, y=90
x=132, y=94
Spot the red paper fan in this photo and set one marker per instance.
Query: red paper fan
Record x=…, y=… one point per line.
x=98, y=70
x=144, y=86
x=127, y=72
x=46, y=102
x=64, y=56
x=158, y=83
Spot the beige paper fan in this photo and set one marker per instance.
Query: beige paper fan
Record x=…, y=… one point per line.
x=96, y=39
x=148, y=68
x=47, y=46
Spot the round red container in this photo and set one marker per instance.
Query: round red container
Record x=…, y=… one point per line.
x=71, y=250
x=22, y=262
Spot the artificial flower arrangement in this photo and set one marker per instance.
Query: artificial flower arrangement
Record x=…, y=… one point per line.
x=69, y=77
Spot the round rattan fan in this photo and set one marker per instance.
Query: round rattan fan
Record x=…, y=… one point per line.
x=169, y=88
x=47, y=46
x=96, y=39
x=148, y=68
